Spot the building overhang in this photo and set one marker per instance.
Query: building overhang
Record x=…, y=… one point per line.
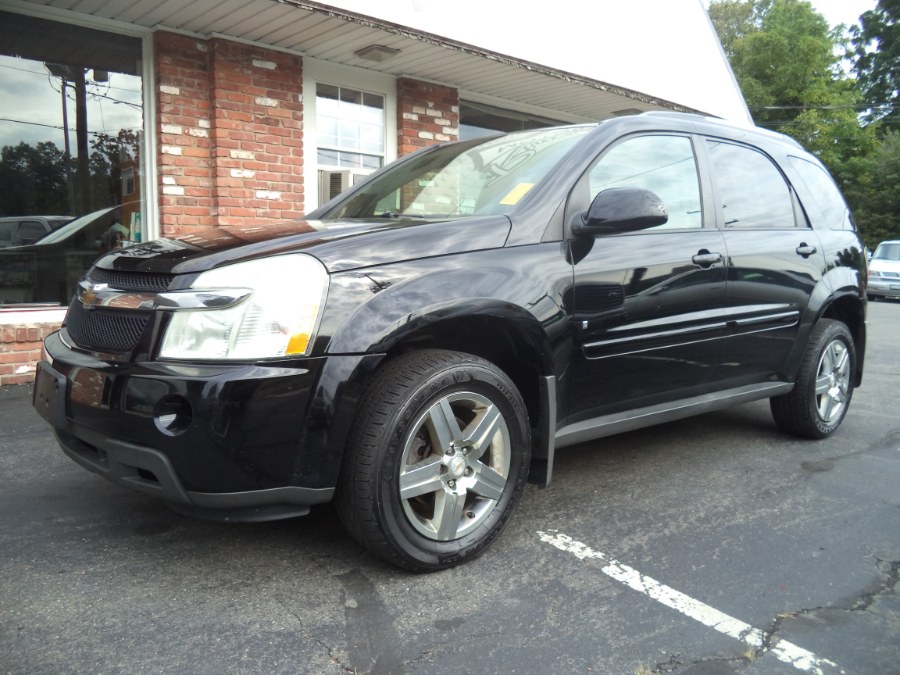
x=340, y=36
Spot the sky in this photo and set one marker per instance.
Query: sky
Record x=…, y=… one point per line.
x=842, y=11
x=31, y=104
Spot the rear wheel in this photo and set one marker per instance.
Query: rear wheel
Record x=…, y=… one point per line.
x=437, y=459
x=817, y=404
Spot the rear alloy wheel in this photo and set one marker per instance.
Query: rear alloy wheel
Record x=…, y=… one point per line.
x=436, y=461
x=817, y=404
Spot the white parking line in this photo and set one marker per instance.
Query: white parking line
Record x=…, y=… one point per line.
x=709, y=616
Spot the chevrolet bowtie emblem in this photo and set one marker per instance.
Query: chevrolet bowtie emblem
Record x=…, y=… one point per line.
x=88, y=296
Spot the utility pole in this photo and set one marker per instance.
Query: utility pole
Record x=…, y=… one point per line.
x=75, y=76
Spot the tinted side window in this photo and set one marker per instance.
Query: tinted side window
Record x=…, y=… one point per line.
x=662, y=164
x=31, y=230
x=752, y=192
x=831, y=205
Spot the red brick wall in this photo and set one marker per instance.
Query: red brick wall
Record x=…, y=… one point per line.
x=184, y=154
x=20, y=350
x=426, y=114
x=257, y=129
x=230, y=122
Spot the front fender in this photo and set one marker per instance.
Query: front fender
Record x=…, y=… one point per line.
x=374, y=309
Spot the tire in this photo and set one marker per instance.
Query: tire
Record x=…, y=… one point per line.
x=436, y=460
x=820, y=398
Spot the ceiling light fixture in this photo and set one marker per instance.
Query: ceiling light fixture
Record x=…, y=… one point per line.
x=377, y=53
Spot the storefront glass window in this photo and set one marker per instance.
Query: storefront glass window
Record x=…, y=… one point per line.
x=71, y=122
x=478, y=119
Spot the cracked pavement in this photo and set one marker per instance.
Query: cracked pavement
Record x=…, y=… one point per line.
x=799, y=539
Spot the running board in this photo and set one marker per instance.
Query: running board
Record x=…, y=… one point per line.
x=609, y=425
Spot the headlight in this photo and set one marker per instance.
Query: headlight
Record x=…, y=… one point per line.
x=277, y=319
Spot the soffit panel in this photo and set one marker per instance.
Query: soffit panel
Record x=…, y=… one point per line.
x=334, y=35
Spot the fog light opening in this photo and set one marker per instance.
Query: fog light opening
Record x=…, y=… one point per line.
x=172, y=415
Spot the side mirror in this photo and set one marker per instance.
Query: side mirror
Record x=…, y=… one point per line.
x=622, y=210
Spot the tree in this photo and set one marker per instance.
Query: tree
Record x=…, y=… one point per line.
x=107, y=154
x=33, y=180
x=876, y=60
x=874, y=197
x=785, y=58
x=785, y=62
x=734, y=19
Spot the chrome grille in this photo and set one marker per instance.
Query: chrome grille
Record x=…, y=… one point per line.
x=105, y=330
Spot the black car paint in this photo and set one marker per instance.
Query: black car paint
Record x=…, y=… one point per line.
x=548, y=306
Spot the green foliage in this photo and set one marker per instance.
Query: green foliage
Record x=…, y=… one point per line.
x=875, y=193
x=785, y=58
x=876, y=60
x=33, y=180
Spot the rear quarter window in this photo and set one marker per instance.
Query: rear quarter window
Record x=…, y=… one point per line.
x=829, y=210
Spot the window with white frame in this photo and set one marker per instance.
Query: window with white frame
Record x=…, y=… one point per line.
x=350, y=126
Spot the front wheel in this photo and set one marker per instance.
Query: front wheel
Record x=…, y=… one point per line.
x=819, y=400
x=436, y=459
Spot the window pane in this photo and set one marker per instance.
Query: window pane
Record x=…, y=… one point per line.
x=56, y=168
x=373, y=101
x=328, y=157
x=751, y=191
x=354, y=122
x=327, y=91
x=828, y=199
x=664, y=165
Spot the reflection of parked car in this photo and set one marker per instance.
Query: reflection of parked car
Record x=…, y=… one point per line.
x=24, y=230
x=49, y=269
x=884, y=271
x=419, y=348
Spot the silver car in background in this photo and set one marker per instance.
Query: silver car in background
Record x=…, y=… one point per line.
x=884, y=271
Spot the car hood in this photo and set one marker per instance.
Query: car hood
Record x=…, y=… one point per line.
x=339, y=245
x=880, y=265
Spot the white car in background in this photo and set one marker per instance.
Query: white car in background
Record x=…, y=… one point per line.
x=884, y=271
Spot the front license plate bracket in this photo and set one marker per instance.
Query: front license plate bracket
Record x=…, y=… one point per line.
x=49, y=397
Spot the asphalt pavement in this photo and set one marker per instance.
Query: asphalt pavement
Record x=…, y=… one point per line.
x=709, y=546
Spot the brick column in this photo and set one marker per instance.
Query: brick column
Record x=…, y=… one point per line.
x=426, y=114
x=184, y=155
x=230, y=123
x=257, y=127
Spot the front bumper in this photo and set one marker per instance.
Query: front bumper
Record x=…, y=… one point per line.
x=230, y=442
x=884, y=287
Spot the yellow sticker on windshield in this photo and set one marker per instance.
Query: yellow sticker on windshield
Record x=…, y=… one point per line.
x=513, y=196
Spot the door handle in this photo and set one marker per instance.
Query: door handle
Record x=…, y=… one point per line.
x=706, y=259
x=805, y=250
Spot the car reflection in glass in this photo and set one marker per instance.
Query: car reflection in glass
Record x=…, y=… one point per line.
x=48, y=270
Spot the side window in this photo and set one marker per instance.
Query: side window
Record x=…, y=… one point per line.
x=662, y=164
x=30, y=231
x=825, y=193
x=752, y=192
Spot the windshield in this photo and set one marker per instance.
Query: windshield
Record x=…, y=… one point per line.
x=477, y=177
x=887, y=251
x=66, y=230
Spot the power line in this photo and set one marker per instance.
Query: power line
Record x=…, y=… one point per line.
x=56, y=126
x=44, y=73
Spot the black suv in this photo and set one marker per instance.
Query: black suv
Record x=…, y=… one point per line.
x=418, y=347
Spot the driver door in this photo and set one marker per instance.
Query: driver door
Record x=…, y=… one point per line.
x=647, y=305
